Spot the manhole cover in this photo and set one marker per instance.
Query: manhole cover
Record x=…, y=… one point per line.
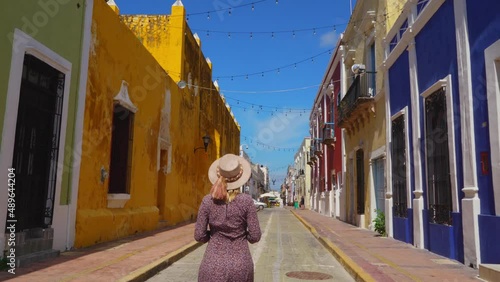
x=309, y=275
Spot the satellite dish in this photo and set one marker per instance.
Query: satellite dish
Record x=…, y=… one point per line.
x=358, y=68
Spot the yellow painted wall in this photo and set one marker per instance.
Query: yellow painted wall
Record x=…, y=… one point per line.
x=166, y=185
x=371, y=135
x=110, y=63
x=174, y=46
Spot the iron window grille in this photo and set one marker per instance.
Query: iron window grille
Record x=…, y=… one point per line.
x=399, y=176
x=437, y=155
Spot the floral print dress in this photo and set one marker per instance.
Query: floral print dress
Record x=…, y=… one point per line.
x=227, y=257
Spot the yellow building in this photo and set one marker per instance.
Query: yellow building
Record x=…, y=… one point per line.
x=144, y=164
x=362, y=111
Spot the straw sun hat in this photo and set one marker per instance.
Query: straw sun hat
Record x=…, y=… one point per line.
x=234, y=168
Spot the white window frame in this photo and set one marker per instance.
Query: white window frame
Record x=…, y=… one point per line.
x=492, y=68
x=22, y=45
x=446, y=84
x=375, y=155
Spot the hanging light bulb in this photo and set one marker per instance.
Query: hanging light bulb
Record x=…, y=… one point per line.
x=246, y=77
x=208, y=15
x=262, y=74
x=229, y=35
x=276, y=2
x=251, y=35
x=272, y=34
x=253, y=7
x=229, y=11
x=232, y=78
x=293, y=34
x=208, y=34
x=314, y=31
x=278, y=71
x=295, y=66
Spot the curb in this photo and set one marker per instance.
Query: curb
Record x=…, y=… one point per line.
x=150, y=270
x=353, y=268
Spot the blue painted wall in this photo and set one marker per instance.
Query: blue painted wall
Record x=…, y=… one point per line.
x=403, y=228
x=489, y=227
x=410, y=225
x=484, y=30
x=425, y=218
x=437, y=58
x=441, y=240
x=458, y=236
x=399, y=85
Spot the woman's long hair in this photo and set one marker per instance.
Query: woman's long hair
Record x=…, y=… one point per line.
x=219, y=191
x=232, y=194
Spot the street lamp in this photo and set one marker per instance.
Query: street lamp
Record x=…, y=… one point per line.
x=206, y=140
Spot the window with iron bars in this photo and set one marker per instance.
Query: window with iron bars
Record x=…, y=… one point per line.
x=437, y=156
x=399, y=177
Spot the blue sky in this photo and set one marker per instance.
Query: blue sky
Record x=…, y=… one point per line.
x=284, y=65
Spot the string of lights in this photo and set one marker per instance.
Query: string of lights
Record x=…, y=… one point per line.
x=228, y=9
x=272, y=91
x=266, y=146
x=263, y=107
x=279, y=169
x=274, y=70
x=270, y=112
x=272, y=34
x=277, y=70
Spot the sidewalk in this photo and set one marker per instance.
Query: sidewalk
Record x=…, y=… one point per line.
x=134, y=258
x=369, y=257
x=365, y=255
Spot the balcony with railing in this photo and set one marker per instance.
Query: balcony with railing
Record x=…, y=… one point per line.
x=318, y=148
x=311, y=157
x=358, y=101
x=329, y=133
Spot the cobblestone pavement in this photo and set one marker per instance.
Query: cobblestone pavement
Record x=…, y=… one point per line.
x=286, y=247
x=293, y=240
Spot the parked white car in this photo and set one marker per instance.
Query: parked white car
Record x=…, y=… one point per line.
x=259, y=205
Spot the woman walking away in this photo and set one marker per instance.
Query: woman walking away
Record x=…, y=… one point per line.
x=227, y=220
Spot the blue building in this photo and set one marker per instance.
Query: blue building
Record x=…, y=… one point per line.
x=442, y=70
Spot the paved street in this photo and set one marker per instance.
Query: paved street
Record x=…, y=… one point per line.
x=286, y=246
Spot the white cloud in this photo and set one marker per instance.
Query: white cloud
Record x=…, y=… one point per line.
x=328, y=39
x=273, y=139
x=283, y=129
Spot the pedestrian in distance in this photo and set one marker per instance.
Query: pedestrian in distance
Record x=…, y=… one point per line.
x=227, y=220
x=295, y=203
x=302, y=202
